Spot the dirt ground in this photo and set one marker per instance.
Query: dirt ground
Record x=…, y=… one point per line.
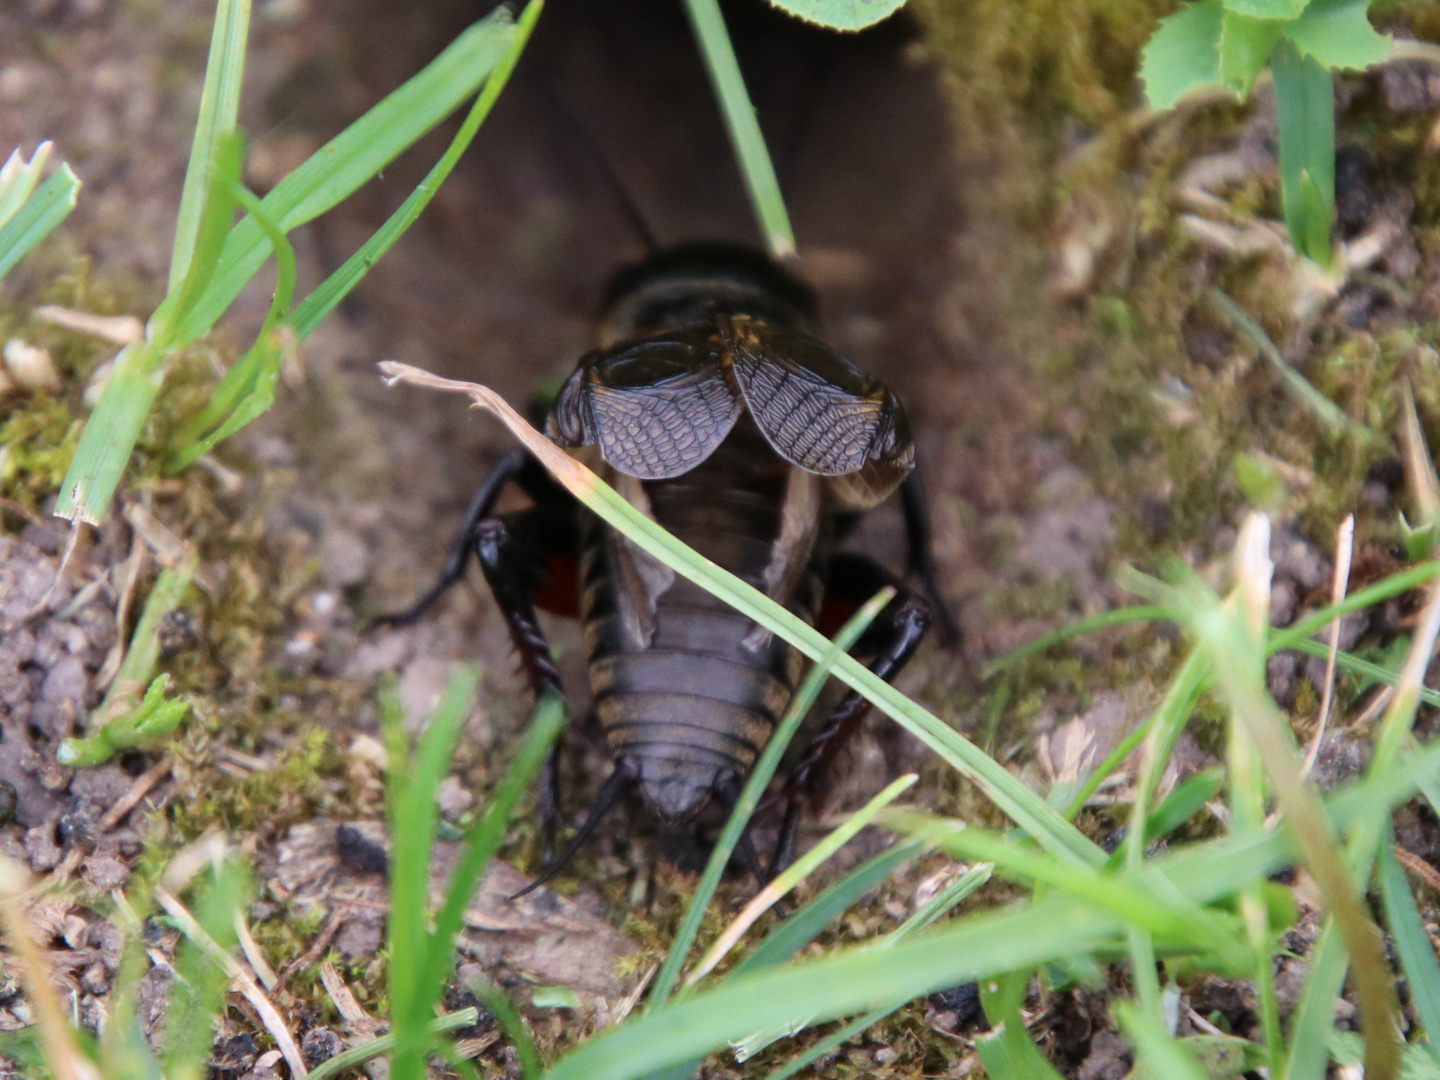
x=1018, y=279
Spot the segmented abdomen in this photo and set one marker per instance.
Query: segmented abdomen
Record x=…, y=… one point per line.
x=689, y=710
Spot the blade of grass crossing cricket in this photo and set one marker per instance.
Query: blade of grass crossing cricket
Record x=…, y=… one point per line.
x=975, y=947
x=40, y=213
x=1025, y=808
x=219, y=108
x=742, y=125
x=1417, y=954
x=749, y=797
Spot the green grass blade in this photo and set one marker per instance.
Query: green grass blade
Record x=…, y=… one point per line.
x=248, y=388
x=805, y=925
x=382, y=1044
x=338, y=285
x=219, y=193
x=219, y=107
x=798, y=871
x=749, y=797
x=110, y=434
x=1325, y=410
x=1179, y=700
x=1007, y=1051
x=1185, y=800
x=1305, y=113
x=842, y=984
x=484, y=838
x=740, y=121
x=503, y=1009
x=939, y=905
x=194, y=1013
x=412, y=811
x=41, y=212
x=1103, y=621
x=1161, y=1055
x=1417, y=954
x=18, y=178
x=1357, y=665
x=832, y=1041
x=1167, y=917
x=1407, y=579
x=358, y=153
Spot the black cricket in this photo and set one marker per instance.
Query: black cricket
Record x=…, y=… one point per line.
x=711, y=408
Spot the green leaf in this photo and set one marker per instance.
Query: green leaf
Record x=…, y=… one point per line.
x=1007, y=1051
x=219, y=105
x=1259, y=481
x=1187, y=798
x=841, y=14
x=1267, y=9
x=1338, y=34
x=37, y=216
x=1158, y=1053
x=554, y=997
x=18, y=178
x=1183, y=54
x=851, y=981
x=1245, y=44
x=743, y=126
x=1417, y=954
x=350, y=159
x=1305, y=111
x=217, y=193
x=338, y=285
x=1417, y=1062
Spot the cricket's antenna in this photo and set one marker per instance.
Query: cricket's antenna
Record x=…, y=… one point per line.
x=617, y=186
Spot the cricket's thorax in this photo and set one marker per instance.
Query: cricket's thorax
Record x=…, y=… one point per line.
x=686, y=689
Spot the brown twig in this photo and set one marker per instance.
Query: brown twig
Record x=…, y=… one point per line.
x=1418, y=866
x=134, y=567
x=316, y=950
x=244, y=981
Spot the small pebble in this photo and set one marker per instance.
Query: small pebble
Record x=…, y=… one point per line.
x=31, y=367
